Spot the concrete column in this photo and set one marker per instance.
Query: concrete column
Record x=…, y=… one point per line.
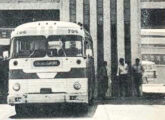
x=93, y=28
x=107, y=40
x=93, y=31
x=120, y=29
x=64, y=11
x=79, y=11
x=135, y=29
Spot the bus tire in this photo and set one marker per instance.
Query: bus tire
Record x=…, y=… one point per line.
x=23, y=110
x=19, y=109
x=85, y=107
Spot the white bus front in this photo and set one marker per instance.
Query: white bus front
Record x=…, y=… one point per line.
x=47, y=69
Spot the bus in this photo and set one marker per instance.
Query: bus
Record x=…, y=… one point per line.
x=50, y=62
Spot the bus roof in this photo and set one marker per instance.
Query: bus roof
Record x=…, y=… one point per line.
x=47, y=28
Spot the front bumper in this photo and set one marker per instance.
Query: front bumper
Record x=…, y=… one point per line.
x=47, y=98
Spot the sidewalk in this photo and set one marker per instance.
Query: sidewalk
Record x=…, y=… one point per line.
x=130, y=108
x=130, y=112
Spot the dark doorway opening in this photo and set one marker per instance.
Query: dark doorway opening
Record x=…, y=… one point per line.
x=13, y=18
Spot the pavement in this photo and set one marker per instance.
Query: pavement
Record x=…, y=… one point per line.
x=149, y=107
x=113, y=109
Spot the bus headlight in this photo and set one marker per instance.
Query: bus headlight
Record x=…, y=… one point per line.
x=78, y=61
x=16, y=87
x=77, y=85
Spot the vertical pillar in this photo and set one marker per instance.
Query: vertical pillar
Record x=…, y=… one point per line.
x=86, y=14
x=93, y=28
x=93, y=31
x=128, y=44
x=79, y=9
x=64, y=11
x=135, y=29
x=120, y=29
x=114, y=60
x=107, y=40
x=135, y=32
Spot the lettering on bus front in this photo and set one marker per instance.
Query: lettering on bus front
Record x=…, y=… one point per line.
x=72, y=31
x=21, y=32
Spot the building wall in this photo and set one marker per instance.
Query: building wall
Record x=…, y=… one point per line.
x=113, y=24
x=153, y=44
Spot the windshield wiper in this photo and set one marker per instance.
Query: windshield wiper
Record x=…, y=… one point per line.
x=32, y=53
x=63, y=51
x=62, y=48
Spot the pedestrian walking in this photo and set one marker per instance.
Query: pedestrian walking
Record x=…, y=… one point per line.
x=122, y=74
x=103, y=80
x=137, y=70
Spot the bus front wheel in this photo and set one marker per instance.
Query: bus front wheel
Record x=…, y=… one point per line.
x=23, y=109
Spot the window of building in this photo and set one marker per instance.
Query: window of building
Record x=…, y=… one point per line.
x=153, y=18
x=13, y=18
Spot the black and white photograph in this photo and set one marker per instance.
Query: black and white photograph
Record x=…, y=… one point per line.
x=82, y=59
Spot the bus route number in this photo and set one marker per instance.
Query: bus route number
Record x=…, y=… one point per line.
x=22, y=32
x=71, y=31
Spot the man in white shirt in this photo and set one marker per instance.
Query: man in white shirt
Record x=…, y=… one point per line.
x=122, y=73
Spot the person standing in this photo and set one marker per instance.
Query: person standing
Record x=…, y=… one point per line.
x=137, y=70
x=122, y=74
x=103, y=80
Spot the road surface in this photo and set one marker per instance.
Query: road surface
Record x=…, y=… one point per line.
x=105, y=111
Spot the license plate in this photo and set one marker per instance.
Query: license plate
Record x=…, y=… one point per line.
x=45, y=90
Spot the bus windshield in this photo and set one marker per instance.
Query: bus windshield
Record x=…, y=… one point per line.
x=53, y=46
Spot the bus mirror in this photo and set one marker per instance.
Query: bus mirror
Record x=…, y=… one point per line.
x=88, y=52
x=5, y=55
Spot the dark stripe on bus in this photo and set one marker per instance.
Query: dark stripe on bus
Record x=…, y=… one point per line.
x=19, y=74
x=74, y=73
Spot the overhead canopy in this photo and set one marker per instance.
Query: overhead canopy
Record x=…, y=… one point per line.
x=4, y=41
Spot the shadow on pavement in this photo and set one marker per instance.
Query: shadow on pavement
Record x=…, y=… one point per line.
x=77, y=111
x=147, y=99
x=58, y=111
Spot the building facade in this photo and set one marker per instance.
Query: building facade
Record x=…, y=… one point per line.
x=113, y=24
x=153, y=34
